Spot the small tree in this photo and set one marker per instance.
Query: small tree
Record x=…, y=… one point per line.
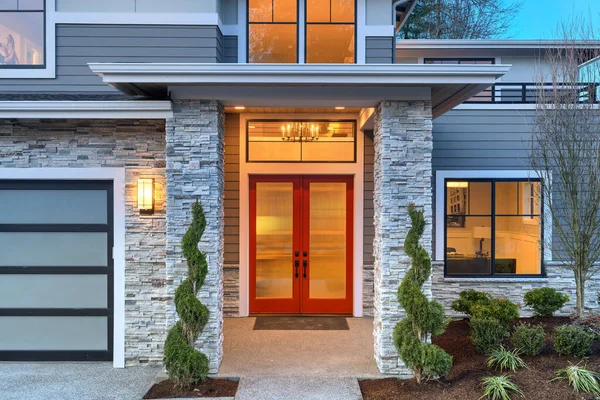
x=423, y=317
x=565, y=151
x=185, y=365
x=460, y=19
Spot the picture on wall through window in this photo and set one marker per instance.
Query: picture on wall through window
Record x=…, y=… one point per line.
x=22, y=35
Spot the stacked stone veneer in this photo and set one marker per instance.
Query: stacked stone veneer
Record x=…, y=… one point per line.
x=195, y=171
x=139, y=147
x=446, y=290
x=402, y=174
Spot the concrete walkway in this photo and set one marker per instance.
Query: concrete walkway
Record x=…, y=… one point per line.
x=309, y=354
x=298, y=388
x=76, y=381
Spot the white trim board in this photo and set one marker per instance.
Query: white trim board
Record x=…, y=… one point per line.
x=117, y=175
x=356, y=169
x=86, y=109
x=134, y=18
x=442, y=175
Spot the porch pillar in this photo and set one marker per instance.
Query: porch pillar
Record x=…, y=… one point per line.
x=402, y=174
x=195, y=171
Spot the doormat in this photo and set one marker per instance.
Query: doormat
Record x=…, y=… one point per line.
x=301, y=324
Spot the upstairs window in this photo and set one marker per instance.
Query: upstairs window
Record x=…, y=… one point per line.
x=22, y=27
x=493, y=227
x=272, y=31
x=476, y=61
x=330, y=26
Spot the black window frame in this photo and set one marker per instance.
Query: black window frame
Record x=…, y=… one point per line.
x=247, y=139
x=248, y=23
x=458, y=60
x=44, y=18
x=492, y=217
x=306, y=23
x=108, y=270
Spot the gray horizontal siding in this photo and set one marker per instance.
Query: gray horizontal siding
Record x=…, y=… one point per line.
x=232, y=189
x=380, y=50
x=230, y=49
x=77, y=45
x=482, y=139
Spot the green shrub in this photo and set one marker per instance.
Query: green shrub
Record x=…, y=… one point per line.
x=487, y=334
x=506, y=359
x=468, y=298
x=502, y=310
x=499, y=388
x=545, y=301
x=185, y=365
x=528, y=339
x=573, y=340
x=581, y=379
x=423, y=317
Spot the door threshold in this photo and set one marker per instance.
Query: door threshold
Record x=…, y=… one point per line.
x=298, y=315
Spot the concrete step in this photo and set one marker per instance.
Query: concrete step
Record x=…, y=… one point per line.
x=298, y=388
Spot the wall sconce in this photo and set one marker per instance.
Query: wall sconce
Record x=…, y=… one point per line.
x=146, y=196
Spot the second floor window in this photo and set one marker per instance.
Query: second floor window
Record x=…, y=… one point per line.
x=22, y=34
x=272, y=31
x=329, y=31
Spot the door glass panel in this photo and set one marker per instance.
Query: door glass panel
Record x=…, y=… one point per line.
x=274, y=239
x=327, y=240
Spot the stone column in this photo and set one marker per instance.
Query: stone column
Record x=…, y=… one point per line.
x=195, y=171
x=402, y=174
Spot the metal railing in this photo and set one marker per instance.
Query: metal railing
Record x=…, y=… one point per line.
x=527, y=93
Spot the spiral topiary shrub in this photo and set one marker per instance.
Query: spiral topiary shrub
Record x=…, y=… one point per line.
x=423, y=317
x=185, y=365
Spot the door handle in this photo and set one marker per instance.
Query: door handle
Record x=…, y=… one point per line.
x=297, y=265
x=304, y=265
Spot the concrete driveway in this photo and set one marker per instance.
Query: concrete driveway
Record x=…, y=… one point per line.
x=62, y=381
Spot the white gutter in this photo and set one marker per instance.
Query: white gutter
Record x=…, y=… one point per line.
x=134, y=109
x=297, y=74
x=491, y=44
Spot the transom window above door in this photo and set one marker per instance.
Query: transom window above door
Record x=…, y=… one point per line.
x=300, y=141
x=328, y=34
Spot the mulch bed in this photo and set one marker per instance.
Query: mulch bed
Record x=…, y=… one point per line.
x=208, y=388
x=464, y=380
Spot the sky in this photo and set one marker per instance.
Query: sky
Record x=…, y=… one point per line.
x=538, y=19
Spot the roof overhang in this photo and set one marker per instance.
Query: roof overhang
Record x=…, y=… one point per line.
x=52, y=109
x=303, y=85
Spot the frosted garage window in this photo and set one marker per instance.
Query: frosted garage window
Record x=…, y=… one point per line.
x=53, y=333
x=22, y=27
x=53, y=291
x=53, y=206
x=53, y=249
x=301, y=141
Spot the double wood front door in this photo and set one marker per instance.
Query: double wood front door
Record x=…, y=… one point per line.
x=301, y=237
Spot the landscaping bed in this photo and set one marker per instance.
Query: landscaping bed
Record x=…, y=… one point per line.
x=209, y=388
x=469, y=367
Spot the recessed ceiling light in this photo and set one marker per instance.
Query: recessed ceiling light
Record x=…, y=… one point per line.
x=240, y=107
x=251, y=127
x=340, y=108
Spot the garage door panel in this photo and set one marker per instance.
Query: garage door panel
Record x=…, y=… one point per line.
x=53, y=291
x=53, y=333
x=52, y=249
x=53, y=206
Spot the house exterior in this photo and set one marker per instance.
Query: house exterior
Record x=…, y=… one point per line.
x=303, y=129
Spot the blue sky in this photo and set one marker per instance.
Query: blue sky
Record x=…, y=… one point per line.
x=538, y=18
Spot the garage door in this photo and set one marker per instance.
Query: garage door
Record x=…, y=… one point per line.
x=56, y=270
